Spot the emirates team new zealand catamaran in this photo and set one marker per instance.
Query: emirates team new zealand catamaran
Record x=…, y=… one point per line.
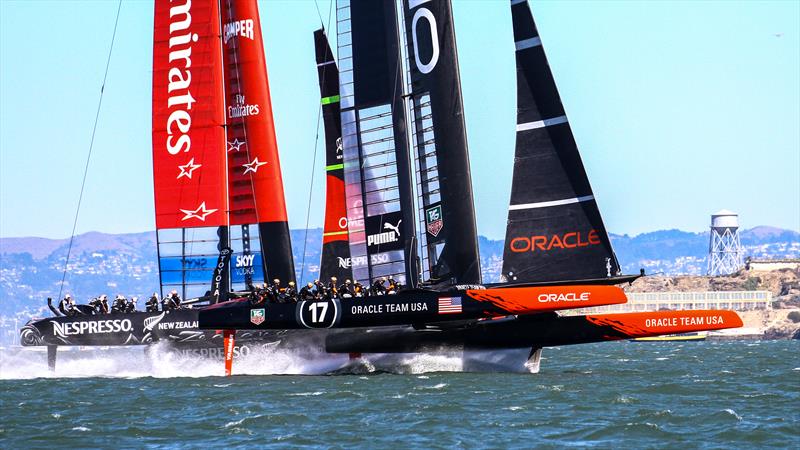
x=399, y=201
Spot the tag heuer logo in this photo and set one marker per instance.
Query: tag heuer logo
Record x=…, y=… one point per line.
x=257, y=316
x=433, y=218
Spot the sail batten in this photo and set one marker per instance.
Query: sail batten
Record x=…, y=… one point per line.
x=555, y=231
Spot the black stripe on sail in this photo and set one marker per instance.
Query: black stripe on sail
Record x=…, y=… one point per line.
x=555, y=231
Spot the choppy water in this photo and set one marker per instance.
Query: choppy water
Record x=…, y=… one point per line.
x=697, y=395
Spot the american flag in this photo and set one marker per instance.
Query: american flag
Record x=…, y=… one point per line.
x=450, y=305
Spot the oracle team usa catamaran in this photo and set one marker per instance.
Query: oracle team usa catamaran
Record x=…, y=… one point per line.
x=399, y=200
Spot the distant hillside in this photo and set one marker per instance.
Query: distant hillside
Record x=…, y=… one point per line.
x=31, y=267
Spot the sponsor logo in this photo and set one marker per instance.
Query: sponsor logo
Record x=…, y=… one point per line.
x=179, y=121
x=433, y=218
x=572, y=239
x=427, y=15
x=245, y=260
x=568, y=297
x=151, y=322
x=240, y=108
x=244, y=264
x=213, y=352
x=91, y=327
x=339, y=148
x=235, y=145
x=242, y=28
x=389, y=308
x=253, y=166
x=188, y=168
x=683, y=321
x=177, y=325
x=200, y=213
x=361, y=261
x=387, y=237
x=258, y=316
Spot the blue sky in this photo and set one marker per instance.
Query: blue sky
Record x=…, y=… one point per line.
x=679, y=109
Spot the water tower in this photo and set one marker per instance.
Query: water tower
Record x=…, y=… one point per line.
x=724, y=247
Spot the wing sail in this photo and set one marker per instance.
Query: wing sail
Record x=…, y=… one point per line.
x=377, y=174
x=335, y=260
x=448, y=237
x=555, y=231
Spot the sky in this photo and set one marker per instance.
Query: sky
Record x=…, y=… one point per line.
x=680, y=109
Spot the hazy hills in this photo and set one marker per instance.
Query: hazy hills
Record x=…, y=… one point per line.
x=31, y=268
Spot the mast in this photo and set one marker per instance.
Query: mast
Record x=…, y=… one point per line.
x=449, y=238
x=555, y=231
x=335, y=260
x=377, y=170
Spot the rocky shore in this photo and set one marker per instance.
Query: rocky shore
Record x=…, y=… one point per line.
x=780, y=322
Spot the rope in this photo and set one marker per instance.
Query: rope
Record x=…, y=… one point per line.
x=89, y=156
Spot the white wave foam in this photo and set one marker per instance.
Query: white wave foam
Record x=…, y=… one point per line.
x=160, y=362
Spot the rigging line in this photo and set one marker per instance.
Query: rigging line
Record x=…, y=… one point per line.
x=89, y=156
x=311, y=190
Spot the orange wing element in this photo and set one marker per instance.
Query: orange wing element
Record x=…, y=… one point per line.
x=656, y=323
x=527, y=300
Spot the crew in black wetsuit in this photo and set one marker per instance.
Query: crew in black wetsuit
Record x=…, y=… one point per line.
x=97, y=305
x=104, y=303
x=152, y=303
x=346, y=289
x=291, y=292
x=307, y=292
x=358, y=290
x=64, y=305
x=131, y=306
x=332, y=289
x=276, y=294
x=120, y=304
x=378, y=288
x=319, y=290
x=172, y=301
x=393, y=286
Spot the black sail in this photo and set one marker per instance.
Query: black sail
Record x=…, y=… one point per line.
x=554, y=230
x=377, y=169
x=447, y=216
x=335, y=259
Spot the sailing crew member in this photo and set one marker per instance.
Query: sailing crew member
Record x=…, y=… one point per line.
x=291, y=292
x=104, y=303
x=332, y=290
x=346, y=289
x=275, y=291
x=64, y=305
x=358, y=289
x=172, y=301
x=97, y=305
x=307, y=292
x=378, y=287
x=120, y=304
x=152, y=303
x=131, y=306
x=392, y=289
x=319, y=291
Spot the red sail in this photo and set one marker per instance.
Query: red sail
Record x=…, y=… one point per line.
x=188, y=115
x=254, y=173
